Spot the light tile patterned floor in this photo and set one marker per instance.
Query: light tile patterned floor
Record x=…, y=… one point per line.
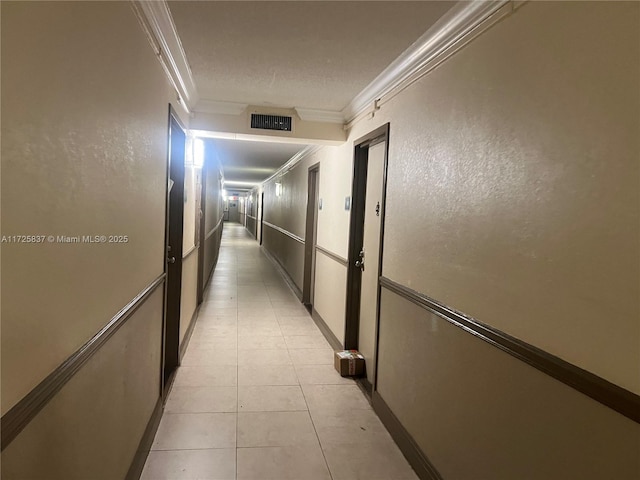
x=257, y=396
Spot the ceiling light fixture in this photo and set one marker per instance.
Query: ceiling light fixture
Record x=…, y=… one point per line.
x=251, y=138
x=240, y=183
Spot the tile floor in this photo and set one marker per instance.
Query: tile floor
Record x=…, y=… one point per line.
x=257, y=396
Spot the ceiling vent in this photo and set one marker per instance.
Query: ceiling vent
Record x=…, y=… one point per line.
x=270, y=122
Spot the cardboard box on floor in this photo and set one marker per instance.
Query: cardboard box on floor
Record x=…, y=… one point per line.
x=349, y=363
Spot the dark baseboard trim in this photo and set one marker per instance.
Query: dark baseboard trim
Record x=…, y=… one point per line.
x=408, y=446
x=613, y=396
x=365, y=386
x=326, y=331
x=19, y=416
x=144, y=447
x=287, y=278
x=333, y=256
x=287, y=233
x=188, y=333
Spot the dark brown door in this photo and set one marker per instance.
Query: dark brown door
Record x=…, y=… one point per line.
x=201, y=212
x=365, y=248
x=310, y=237
x=261, y=215
x=175, y=214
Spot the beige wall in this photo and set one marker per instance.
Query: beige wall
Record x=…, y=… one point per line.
x=190, y=214
x=481, y=414
x=92, y=427
x=189, y=288
x=213, y=209
x=521, y=159
x=83, y=153
x=336, y=175
x=289, y=212
x=189, y=293
x=329, y=294
x=512, y=197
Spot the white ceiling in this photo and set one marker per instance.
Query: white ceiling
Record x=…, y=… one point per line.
x=251, y=162
x=310, y=54
x=305, y=54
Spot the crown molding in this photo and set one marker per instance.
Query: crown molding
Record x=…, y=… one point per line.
x=159, y=26
x=325, y=116
x=448, y=32
x=293, y=161
x=225, y=108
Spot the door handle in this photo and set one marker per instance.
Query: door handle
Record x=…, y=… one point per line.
x=171, y=259
x=360, y=263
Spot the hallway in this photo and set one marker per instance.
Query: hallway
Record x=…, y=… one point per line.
x=257, y=396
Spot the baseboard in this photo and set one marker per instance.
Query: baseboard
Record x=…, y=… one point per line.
x=326, y=331
x=287, y=278
x=188, y=333
x=140, y=458
x=365, y=386
x=409, y=448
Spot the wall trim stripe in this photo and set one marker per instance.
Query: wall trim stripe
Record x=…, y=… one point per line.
x=284, y=232
x=341, y=260
x=408, y=446
x=19, y=416
x=191, y=251
x=613, y=396
x=213, y=230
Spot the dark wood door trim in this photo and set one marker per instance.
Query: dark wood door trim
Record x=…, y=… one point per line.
x=173, y=236
x=310, y=228
x=356, y=230
x=201, y=232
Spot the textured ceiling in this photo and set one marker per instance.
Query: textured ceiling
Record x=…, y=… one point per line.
x=248, y=161
x=296, y=53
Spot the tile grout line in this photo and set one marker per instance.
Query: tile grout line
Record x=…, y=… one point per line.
x=237, y=368
x=316, y=432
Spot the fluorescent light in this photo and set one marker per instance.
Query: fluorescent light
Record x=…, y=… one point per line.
x=262, y=138
x=241, y=184
x=198, y=152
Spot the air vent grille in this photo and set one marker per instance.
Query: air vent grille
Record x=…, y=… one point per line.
x=270, y=122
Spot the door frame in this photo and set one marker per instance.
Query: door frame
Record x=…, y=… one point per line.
x=356, y=234
x=201, y=232
x=311, y=230
x=261, y=215
x=174, y=225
